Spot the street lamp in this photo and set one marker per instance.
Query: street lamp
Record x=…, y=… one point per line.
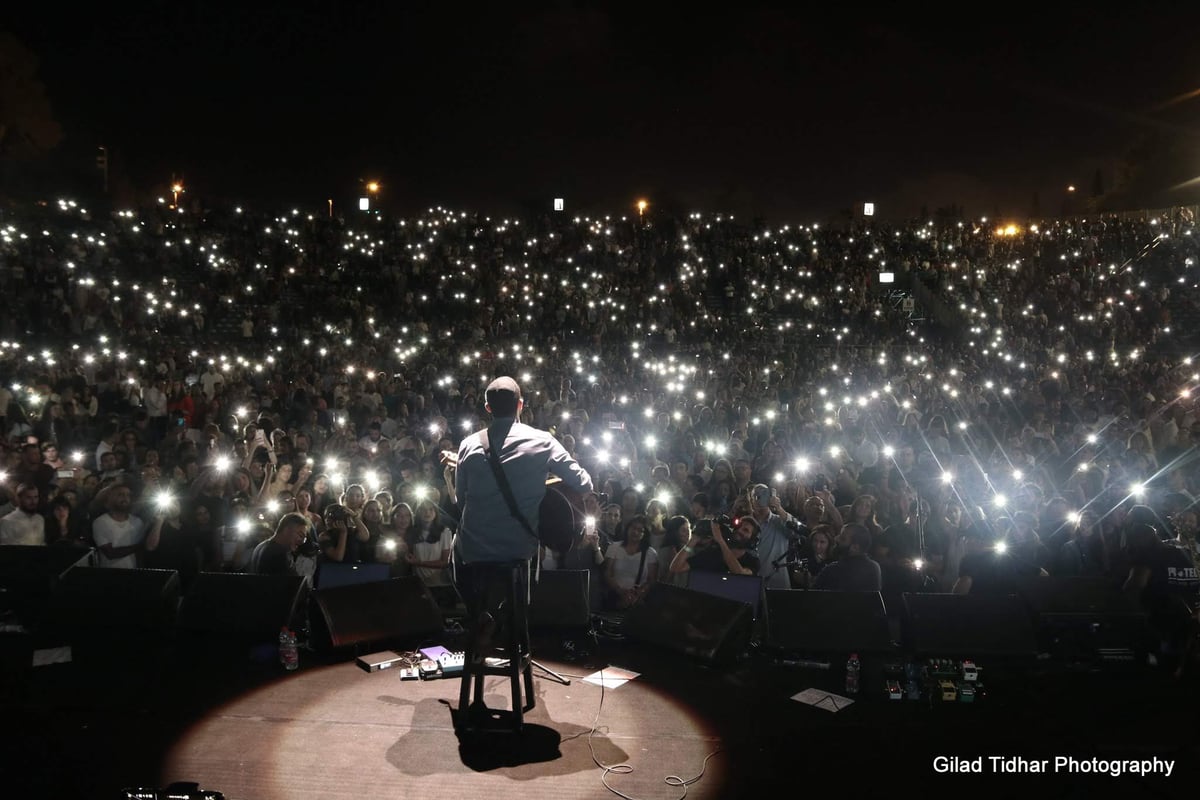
x=641, y=207
x=372, y=187
x=176, y=190
x=1068, y=205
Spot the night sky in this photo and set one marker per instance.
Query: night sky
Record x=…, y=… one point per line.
x=771, y=110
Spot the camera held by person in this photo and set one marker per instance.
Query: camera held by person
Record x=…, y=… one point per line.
x=703, y=531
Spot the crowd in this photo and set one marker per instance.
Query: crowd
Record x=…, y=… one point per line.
x=215, y=390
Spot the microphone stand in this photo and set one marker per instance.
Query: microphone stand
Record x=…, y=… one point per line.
x=920, y=520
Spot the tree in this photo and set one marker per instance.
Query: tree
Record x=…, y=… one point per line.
x=27, y=126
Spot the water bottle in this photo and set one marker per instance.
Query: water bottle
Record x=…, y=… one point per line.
x=852, y=667
x=289, y=656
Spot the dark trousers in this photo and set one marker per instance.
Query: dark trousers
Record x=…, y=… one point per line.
x=488, y=586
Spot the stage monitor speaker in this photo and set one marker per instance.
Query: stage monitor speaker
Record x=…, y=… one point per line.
x=104, y=598
x=820, y=621
x=1081, y=616
x=333, y=573
x=561, y=598
x=968, y=625
x=1082, y=598
x=701, y=625
x=373, y=613
x=28, y=575
x=241, y=604
x=746, y=589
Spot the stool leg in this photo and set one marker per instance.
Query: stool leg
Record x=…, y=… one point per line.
x=514, y=646
x=525, y=651
x=464, y=683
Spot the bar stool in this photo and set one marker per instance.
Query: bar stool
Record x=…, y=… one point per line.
x=499, y=594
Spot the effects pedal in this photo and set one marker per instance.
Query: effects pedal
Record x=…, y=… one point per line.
x=429, y=669
x=452, y=663
x=410, y=674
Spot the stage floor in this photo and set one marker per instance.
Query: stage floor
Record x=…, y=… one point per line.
x=246, y=728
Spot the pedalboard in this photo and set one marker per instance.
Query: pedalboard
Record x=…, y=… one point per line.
x=452, y=663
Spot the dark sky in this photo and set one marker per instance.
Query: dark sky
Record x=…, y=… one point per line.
x=771, y=109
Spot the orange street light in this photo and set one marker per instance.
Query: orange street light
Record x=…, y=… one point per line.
x=641, y=206
x=176, y=190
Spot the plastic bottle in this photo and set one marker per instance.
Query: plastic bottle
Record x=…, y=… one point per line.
x=852, y=668
x=289, y=656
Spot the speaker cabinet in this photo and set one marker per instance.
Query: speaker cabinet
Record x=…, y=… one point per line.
x=1079, y=617
x=561, y=598
x=242, y=604
x=819, y=621
x=697, y=624
x=968, y=625
x=29, y=575
x=1076, y=597
x=331, y=574
x=107, y=599
x=399, y=609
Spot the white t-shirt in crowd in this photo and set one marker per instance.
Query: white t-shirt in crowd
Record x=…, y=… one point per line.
x=427, y=551
x=106, y=530
x=625, y=569
x=18, y=527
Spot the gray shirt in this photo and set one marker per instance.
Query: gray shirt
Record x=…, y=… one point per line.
x=773, y=542
x=487, y=530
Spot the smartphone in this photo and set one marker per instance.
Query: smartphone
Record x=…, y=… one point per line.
x=66, y=473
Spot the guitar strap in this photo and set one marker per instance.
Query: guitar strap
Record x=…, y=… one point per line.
x=505, y=489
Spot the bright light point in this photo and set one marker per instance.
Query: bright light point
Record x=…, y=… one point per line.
x=947, y=477
x=1001, y=547
x=1018, y=475
x=999, y=501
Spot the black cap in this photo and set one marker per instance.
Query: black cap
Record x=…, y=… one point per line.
x=502, y=396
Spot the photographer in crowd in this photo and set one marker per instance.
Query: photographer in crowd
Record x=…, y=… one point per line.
x=716, y=546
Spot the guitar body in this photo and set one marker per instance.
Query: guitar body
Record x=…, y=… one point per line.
x=560, y=517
